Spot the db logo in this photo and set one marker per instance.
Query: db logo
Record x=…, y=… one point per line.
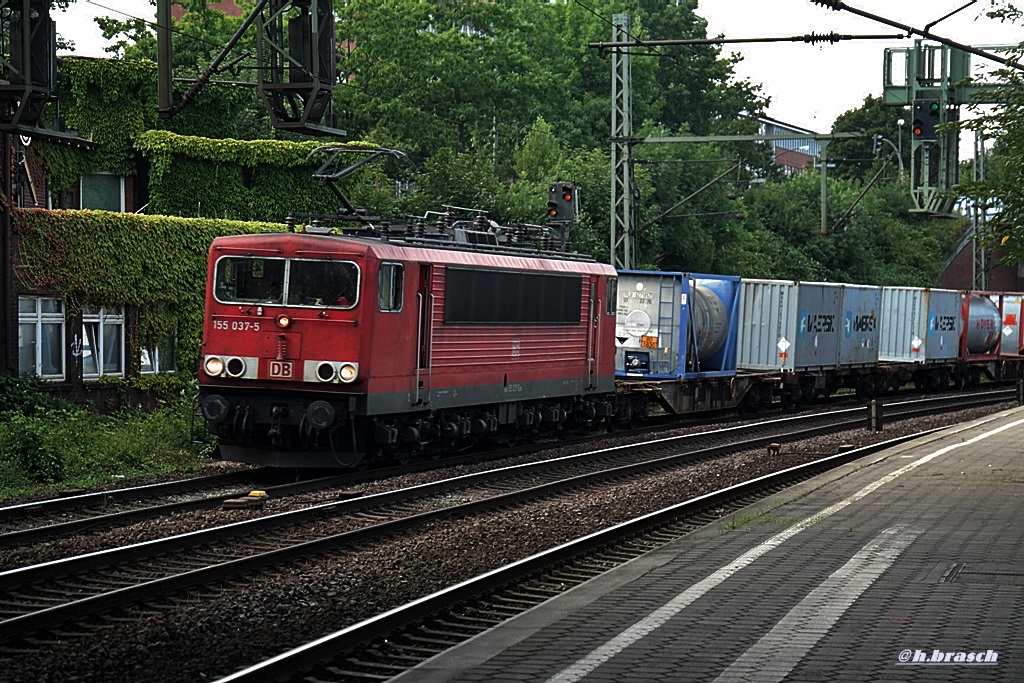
x=281, y=369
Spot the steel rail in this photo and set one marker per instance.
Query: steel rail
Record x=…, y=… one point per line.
x=327, y=648
x=131, y=493
x=49, y=531
x=46, y=617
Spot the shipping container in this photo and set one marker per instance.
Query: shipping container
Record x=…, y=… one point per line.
x=789, y=326
x=1011, y=345
x=819, y=315
x=858, y=344
x=672, y=324
x=767, y=325
x=919, y=325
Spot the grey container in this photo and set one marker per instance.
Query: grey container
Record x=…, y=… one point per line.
x=919, y=325
x=858, y=343
x=819, y=319
x=767, y=325
x=788, y=326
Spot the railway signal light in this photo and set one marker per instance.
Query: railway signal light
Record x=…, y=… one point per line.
x=927, y=114
x=562, y=203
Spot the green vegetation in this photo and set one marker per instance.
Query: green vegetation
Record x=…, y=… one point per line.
x=1005, y=164
x=46, y=443
x=492, y=101
x=156, y=263
x=758, y=516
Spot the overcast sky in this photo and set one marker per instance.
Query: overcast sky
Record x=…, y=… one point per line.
x=809, y=85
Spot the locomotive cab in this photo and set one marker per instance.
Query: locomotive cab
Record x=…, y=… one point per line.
x=281, y=366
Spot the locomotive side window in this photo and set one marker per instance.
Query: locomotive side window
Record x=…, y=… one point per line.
x=610, y=295
x=322, y=283
x=249, y=280
x=389, y=287
x=507, y=297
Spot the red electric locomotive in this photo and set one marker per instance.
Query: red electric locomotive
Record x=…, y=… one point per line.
x=325, y=350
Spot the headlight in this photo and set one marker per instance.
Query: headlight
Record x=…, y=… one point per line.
x=325, y=372
x=214, y=366
x=283, y=321
x=236, y=367
x=348, y=372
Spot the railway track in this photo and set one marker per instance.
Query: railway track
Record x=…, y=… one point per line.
x=44, y=520
x=40, y=521
x=391, y=643
x=37, y=602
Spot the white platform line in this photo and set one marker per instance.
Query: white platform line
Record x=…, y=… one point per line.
x=801, y=629
x=657, y=618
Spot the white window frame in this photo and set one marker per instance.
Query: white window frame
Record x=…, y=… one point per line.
x=39, y=319
x=101, y=318
x=154, y=355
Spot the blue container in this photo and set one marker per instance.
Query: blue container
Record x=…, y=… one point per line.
x=676, y=325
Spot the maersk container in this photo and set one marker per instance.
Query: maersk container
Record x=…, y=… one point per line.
x=671, y=324
x=819, y=314
x=858, y=344
x=1011, y=345
x=919, y=325
x=789, y=326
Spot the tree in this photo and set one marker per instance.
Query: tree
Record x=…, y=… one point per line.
x=693, y=87
x=197, y=39
x=539, y=154
x=1005, y=124
x=859, y=157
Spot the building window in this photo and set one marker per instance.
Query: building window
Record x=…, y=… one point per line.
x=102, y=342
x=102, y=191
x=389, y=287
x=41, y=337
x=157, y=357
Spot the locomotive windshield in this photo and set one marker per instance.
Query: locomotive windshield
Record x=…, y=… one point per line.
x=297, y=282
x=247, y=280
x=322, y=283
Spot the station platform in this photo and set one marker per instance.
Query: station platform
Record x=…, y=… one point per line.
x=906, y=565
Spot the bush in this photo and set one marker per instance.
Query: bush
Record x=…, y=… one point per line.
x=53, y=444
x=25, y=394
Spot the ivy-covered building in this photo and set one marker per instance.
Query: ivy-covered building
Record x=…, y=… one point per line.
x=109, y=234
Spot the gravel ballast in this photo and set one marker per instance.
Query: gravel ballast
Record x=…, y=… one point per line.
x=227, y=627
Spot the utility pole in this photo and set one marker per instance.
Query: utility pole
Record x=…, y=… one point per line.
x=979, y=244
x=823, y=147
x=28, y=77
x=623, y=199
x=622, y=149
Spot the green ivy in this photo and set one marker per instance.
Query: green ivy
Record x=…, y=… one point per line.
x=203, y=188
x=110, y=102
x=155, y=263
x=260, y=180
